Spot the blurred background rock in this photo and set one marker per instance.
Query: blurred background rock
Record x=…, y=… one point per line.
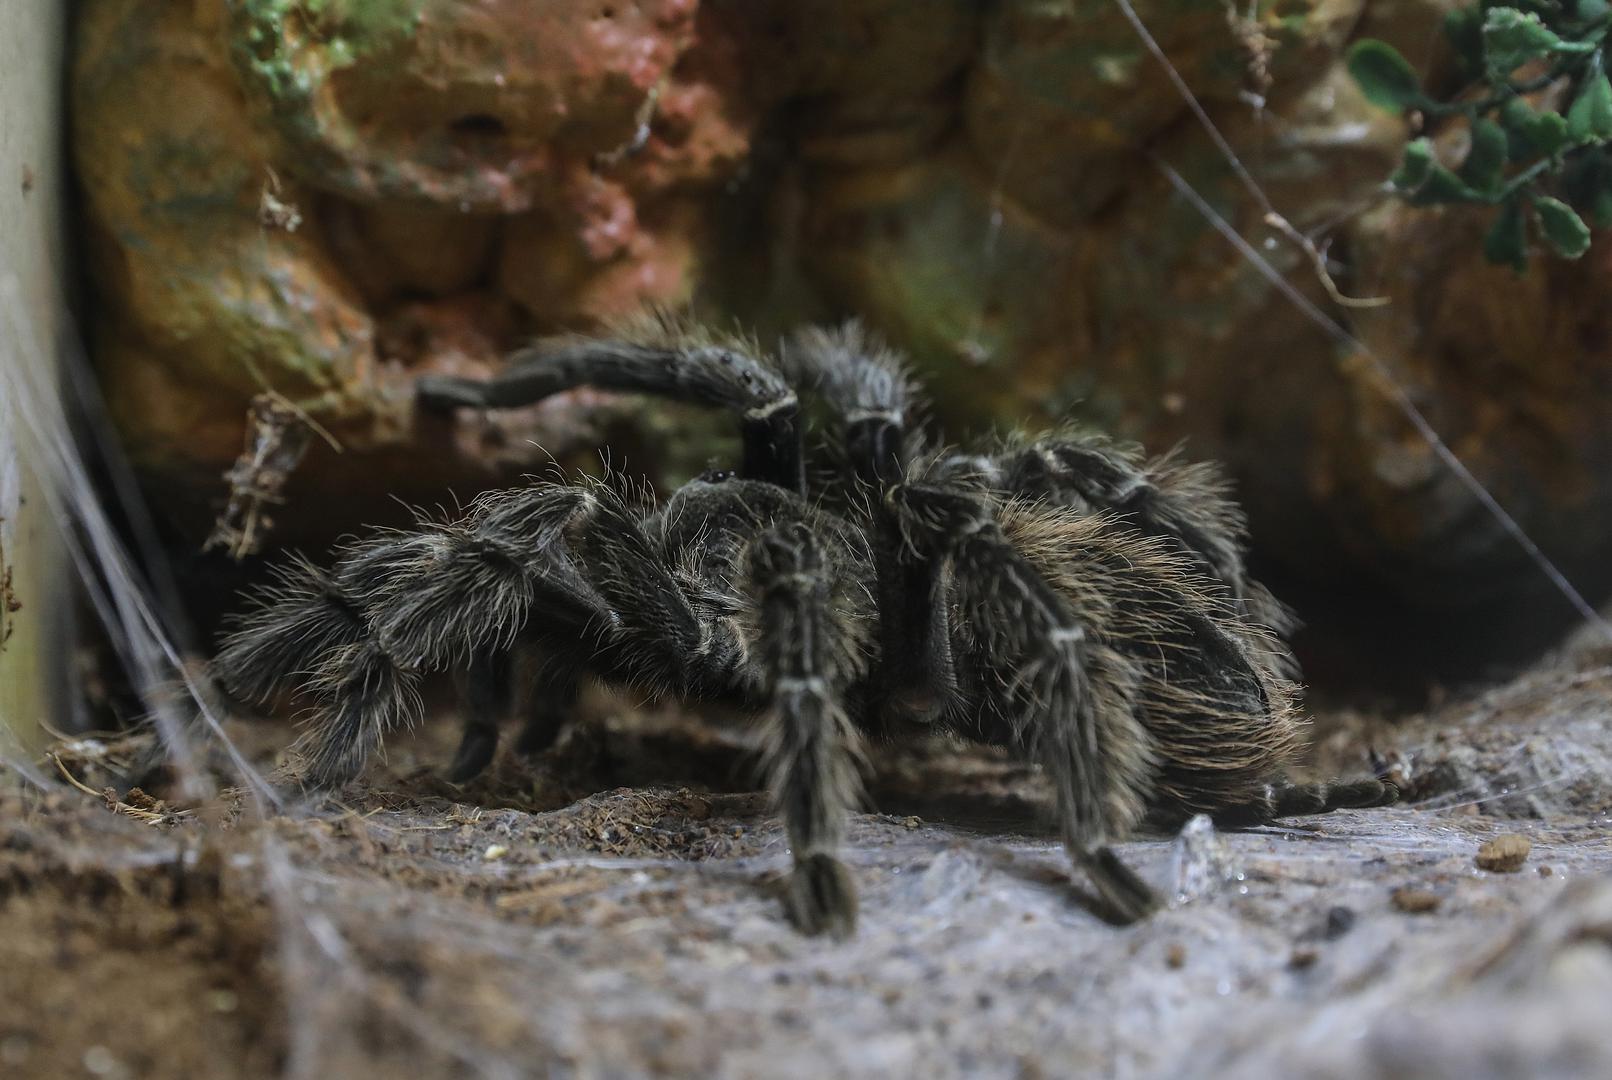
x=327, y=198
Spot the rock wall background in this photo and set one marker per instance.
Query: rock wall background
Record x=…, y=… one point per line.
x=977, y=184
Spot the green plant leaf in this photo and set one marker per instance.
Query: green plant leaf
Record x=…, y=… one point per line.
x=1385, y=77
x=1487, y=157
x=1506, y=243
x=1415, y=167
x=1442, y=186
x=1563, y=229
x=1533, y=134
x=1516, y=150
x=1590, y=116
x=1512, y=38
x=1549, y=133
x=1592, y=10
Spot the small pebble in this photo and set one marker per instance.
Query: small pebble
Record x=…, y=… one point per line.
x=1303, y=957
x=1340, y=920
x=1545, y=870
x=1415, y=901
x=99, y=1060
x=912, y=822
x=1505, y=854
x=1175, y=955
x=495, y=852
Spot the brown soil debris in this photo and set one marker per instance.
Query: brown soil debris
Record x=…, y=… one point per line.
x=1415, y=901
x=128, y=955
x=612, y=909
x=9, y=604
x=277, y=436
x=1505, y=854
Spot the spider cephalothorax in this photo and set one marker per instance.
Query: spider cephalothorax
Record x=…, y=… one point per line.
x=1064, y=596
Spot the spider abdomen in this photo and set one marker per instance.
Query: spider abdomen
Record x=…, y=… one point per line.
x=1218, y=717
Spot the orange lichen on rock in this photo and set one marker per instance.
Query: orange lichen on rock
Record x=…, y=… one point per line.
x=420, y=145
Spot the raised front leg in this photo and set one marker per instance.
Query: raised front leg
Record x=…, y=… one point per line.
x=660, y=356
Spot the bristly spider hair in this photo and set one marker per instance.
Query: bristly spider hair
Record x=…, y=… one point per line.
x=1061, y=595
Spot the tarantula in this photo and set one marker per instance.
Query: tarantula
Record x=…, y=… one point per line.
x=1060, y=595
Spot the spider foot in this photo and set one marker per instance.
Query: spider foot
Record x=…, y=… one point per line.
x=1361, y=794
x=1290, y=800
x=822, y=897
x=442, y=393
x=1124, y=894
x=474, y=755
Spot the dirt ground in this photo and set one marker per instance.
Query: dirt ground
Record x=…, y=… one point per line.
x=611, y=910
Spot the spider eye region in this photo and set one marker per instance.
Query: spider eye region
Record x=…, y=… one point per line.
x=716, y=476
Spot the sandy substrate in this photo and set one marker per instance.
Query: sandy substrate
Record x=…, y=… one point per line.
x=573, y=917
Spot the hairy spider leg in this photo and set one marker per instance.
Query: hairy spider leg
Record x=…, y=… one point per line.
x=660, y=357
x=807, y=654
x=439, y=596
x=318, y=623
x=653, y=630
x=1078, y=719
x=459, y=595
x=292, y=624
x=552, y=704
x=871, y=396
x=486, y=689
x=868, y=390
x=1283, y=799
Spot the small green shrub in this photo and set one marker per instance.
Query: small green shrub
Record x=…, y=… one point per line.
x=1540, y=167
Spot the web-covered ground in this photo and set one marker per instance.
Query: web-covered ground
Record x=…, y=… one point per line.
x=574, y=917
